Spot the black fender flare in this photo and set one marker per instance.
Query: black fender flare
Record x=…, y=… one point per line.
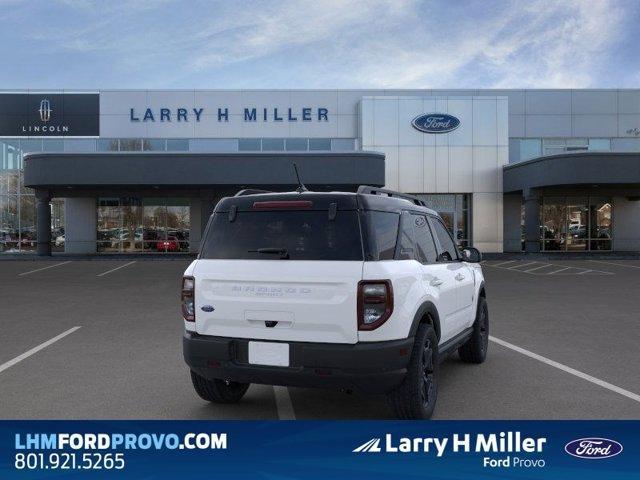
x=482, y=291
x=427, y=308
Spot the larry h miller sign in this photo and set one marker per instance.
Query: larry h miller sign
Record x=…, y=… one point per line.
x=49, y=115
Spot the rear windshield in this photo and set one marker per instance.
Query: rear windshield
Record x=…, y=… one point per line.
x=274, y=235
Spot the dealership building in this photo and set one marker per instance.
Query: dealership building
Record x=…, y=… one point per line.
x=139, y=171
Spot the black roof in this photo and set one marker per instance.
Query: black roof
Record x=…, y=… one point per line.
x=322, y=200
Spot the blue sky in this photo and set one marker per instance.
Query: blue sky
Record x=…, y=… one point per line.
x=319, y=44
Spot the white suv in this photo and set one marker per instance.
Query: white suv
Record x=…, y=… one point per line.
x=356, y=291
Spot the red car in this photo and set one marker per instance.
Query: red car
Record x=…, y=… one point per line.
x=168, y=245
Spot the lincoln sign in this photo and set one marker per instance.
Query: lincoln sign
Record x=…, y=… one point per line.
x=49, y=114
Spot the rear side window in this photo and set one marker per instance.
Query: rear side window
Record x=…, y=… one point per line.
x=449, y=251
x=303, y=235
x=406, y=242
x=425, y=246
x=382, y=234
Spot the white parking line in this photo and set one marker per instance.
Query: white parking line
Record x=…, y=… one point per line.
x=515, y=267
x=616, y=264
x=283, y=403
x=28, y=353
x=114, y=269
x=44, y=268
x=539, y=268
x=499, y=264
x=561, y=270
x=601, y=272
x=564, y=368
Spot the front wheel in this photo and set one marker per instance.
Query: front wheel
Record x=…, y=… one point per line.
x=218, y=391
x=416, y=397
x=475, y=349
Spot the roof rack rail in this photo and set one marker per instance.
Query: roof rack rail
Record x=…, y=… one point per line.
x=368, y=190
x=251, y=191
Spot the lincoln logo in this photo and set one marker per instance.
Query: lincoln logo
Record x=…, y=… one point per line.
x=435, y=123
x=45, y=110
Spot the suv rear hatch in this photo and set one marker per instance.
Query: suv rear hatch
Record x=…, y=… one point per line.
x=284, y=268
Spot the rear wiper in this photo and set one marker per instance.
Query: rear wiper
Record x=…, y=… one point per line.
x=284, y=254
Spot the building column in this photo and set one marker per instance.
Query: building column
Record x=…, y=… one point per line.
x=531, y=199
x=512, y=224
x=43, y=217
x=80, y=229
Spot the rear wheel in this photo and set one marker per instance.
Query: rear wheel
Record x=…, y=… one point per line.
x=416, y=397
x=218, y=391
x=475, y=349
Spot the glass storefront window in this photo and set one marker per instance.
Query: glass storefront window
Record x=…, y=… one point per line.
x=599, y=144
x=9, y=182
x=272, y=144
x=554, y=146
x=530, y=148
x=57, y=225
x=10, y=151
x=52, y=145
x=249, y=145
x=553, y=229
x=455, y=212
x=131, y=234
x=178, y=224
x=576, y=224
x=343, y=144
x=107, y=144
x=79, y=145
x=319, y=144
x=177, y=145
x=577, y=229
x=109, y=225
x=130, y=144
x=31, y=145
x=296, y=144
x=600, y=222
x=27, y=223
x=150, y=225
x=154, y=144
x=9, y=224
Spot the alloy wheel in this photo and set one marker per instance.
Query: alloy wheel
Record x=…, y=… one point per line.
x=427, y=374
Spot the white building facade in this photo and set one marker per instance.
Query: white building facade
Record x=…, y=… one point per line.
x=451, y=147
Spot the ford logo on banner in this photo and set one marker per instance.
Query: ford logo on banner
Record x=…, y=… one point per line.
x=593, y=448
x=435, y=123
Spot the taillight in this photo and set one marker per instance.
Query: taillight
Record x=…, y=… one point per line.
x=188, y=299
x=375, y=303
x=285, y=204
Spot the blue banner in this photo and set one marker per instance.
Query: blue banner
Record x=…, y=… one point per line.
x=320, y=449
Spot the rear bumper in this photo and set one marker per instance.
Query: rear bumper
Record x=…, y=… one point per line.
x=374, y=367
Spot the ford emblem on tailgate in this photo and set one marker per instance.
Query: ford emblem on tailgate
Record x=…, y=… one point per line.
x=593, y=448
x=435, y=123
x=207, y=308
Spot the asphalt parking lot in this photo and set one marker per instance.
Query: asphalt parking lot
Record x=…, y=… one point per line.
x=565, y=345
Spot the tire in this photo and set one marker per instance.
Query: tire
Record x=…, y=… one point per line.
x=416, y=397
x=218, y=391
x=475, y=349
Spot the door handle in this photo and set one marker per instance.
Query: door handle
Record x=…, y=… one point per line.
x=436, y=282
x=459, y=277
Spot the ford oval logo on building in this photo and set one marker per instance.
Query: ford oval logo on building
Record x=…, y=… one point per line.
x=435, y=123
x=593, y=448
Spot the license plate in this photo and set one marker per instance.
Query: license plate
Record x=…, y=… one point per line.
x=269, y=353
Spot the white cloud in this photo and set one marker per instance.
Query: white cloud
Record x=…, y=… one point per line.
x=337, y=43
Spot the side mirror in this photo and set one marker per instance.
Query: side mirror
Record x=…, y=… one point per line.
x=471, y=255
